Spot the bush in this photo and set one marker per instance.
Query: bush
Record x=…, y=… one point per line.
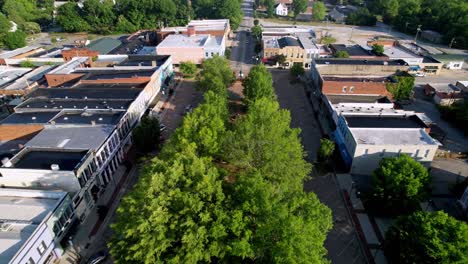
x=188, y=69
x=378, y=49
x=297, y=70
x=327, y=147
x=14, y=40
x=27, y=64
x=227, y=53
x=327, y=40
x=341, y=54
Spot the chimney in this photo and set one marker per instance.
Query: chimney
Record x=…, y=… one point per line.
x=54, y=167
x=191, y=31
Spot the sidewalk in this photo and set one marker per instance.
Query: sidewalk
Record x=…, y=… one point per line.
x=370, y=230
x=93, y=227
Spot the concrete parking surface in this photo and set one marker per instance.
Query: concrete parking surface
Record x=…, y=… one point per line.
x=342, y=243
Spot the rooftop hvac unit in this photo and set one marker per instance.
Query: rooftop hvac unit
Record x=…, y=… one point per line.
x=55, y=167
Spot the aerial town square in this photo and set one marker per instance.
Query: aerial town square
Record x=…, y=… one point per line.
x=234, y=131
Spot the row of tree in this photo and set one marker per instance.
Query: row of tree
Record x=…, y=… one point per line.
x=398, y=186
x=298, y=6
x=447, y=17
x=225, y=190
x=127, y=16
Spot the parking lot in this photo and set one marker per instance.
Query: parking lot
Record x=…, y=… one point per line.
x=342, y=243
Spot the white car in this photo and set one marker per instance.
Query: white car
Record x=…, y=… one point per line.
x=420, y=74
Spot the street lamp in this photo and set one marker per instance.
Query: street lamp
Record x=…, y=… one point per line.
x=406, y=27
x=417, y=31
x=451, y=42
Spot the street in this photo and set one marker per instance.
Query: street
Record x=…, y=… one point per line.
x=342, y=243
x=243, y=45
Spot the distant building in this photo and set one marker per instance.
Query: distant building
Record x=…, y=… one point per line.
x=444, y=94
x=340, y=13
x=334, y=66
x=281, y=9
x=452, y=61
x=191, y=46
x=10, y=56
x=463, y=85
x=104, y=45
x=296, y=50
x=340, y=85
x=356, y=52
x=33, y=224
x=432, y=36
x=69, y=54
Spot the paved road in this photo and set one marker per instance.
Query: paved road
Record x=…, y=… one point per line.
x=342, y=244
x=243, y=44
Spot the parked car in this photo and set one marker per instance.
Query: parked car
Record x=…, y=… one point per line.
x=98, y=257
x=420, y=74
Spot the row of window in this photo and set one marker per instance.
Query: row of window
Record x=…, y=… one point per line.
x=345, y=88
x=41, y=249
x=207, y=54
x=414, y=155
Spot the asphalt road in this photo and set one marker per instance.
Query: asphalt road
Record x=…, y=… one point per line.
x=243, y=44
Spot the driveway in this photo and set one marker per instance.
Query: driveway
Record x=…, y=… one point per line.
x=342, y=243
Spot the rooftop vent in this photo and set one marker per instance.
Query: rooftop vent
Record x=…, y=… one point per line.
x=55, y=167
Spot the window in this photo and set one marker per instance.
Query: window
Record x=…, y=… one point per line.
x=351, y=89
x=456, y=65
x=30, y=261
x=344, y=89
x=382, y=153
x=41, y=248
x=206, y=54
x=212, y=54
x=427, y=153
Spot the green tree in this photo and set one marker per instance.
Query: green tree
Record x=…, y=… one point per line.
x=400, y=183
x=70, y=18
x=124, y=26
x=362, y=17
x=327, y=40
x=30, y=27
x=256, y=22
x=14, y=40
x=319, y=11
x=146, y=135
x=100, y=15
x=258, y=84
x=341, y=54
x=297, y=69
x=27, y=64
x=188, y=68
x=327, y=147
x=432, y=237
x=5, y=24
x=230, y=9
x=257, y=31
x=403, y=87
x=299, y=6
x=216, y=67
x=378, y=49
x=175, y=214
x=270, y=8
x=281, y=59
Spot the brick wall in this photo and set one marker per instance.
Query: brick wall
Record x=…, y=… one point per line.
x=54, y=80
x=70, y=54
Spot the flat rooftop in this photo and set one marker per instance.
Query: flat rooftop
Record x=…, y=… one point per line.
x=445, y=88
x=30, y=117
x=376, y=136
x=21, y=212
x=69, y=138
x=144, y=60
x=88, y=117
x=352, y=50
x=336, y=99
x=355, y=79
x=384, y=121
x=42, y=159
x=396, y=52
x=16, y=52
x=89, y=92
x=289, y=42
x=10, y=74
x=58, y=104
x=28, y=79
x=337, y=61
x=184, y=41
x=70, y=66
x=115, y=74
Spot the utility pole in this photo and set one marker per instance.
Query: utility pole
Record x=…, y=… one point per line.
x=417, y=31
x=406, y=27
x=451, y=42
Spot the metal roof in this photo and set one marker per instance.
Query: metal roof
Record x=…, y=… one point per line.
x=104, y=45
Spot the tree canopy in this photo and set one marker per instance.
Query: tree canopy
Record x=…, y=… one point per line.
x=362, y=17
x=225, y=191
x=432, y=237
x=146, y=135
x=319, y=11
x=297, y=69
x=378, y=49
x=400, y=182
x=126, y=16
x=14, y=40
x=327, y=147
x=188, y=68
x=299, y=6
x=341, y=54
x=403, y=88
x=258, y=84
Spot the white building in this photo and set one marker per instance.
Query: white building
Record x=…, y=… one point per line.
x=86, y=137
x=32, y=225
x=365, y=138
x=281, y=9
